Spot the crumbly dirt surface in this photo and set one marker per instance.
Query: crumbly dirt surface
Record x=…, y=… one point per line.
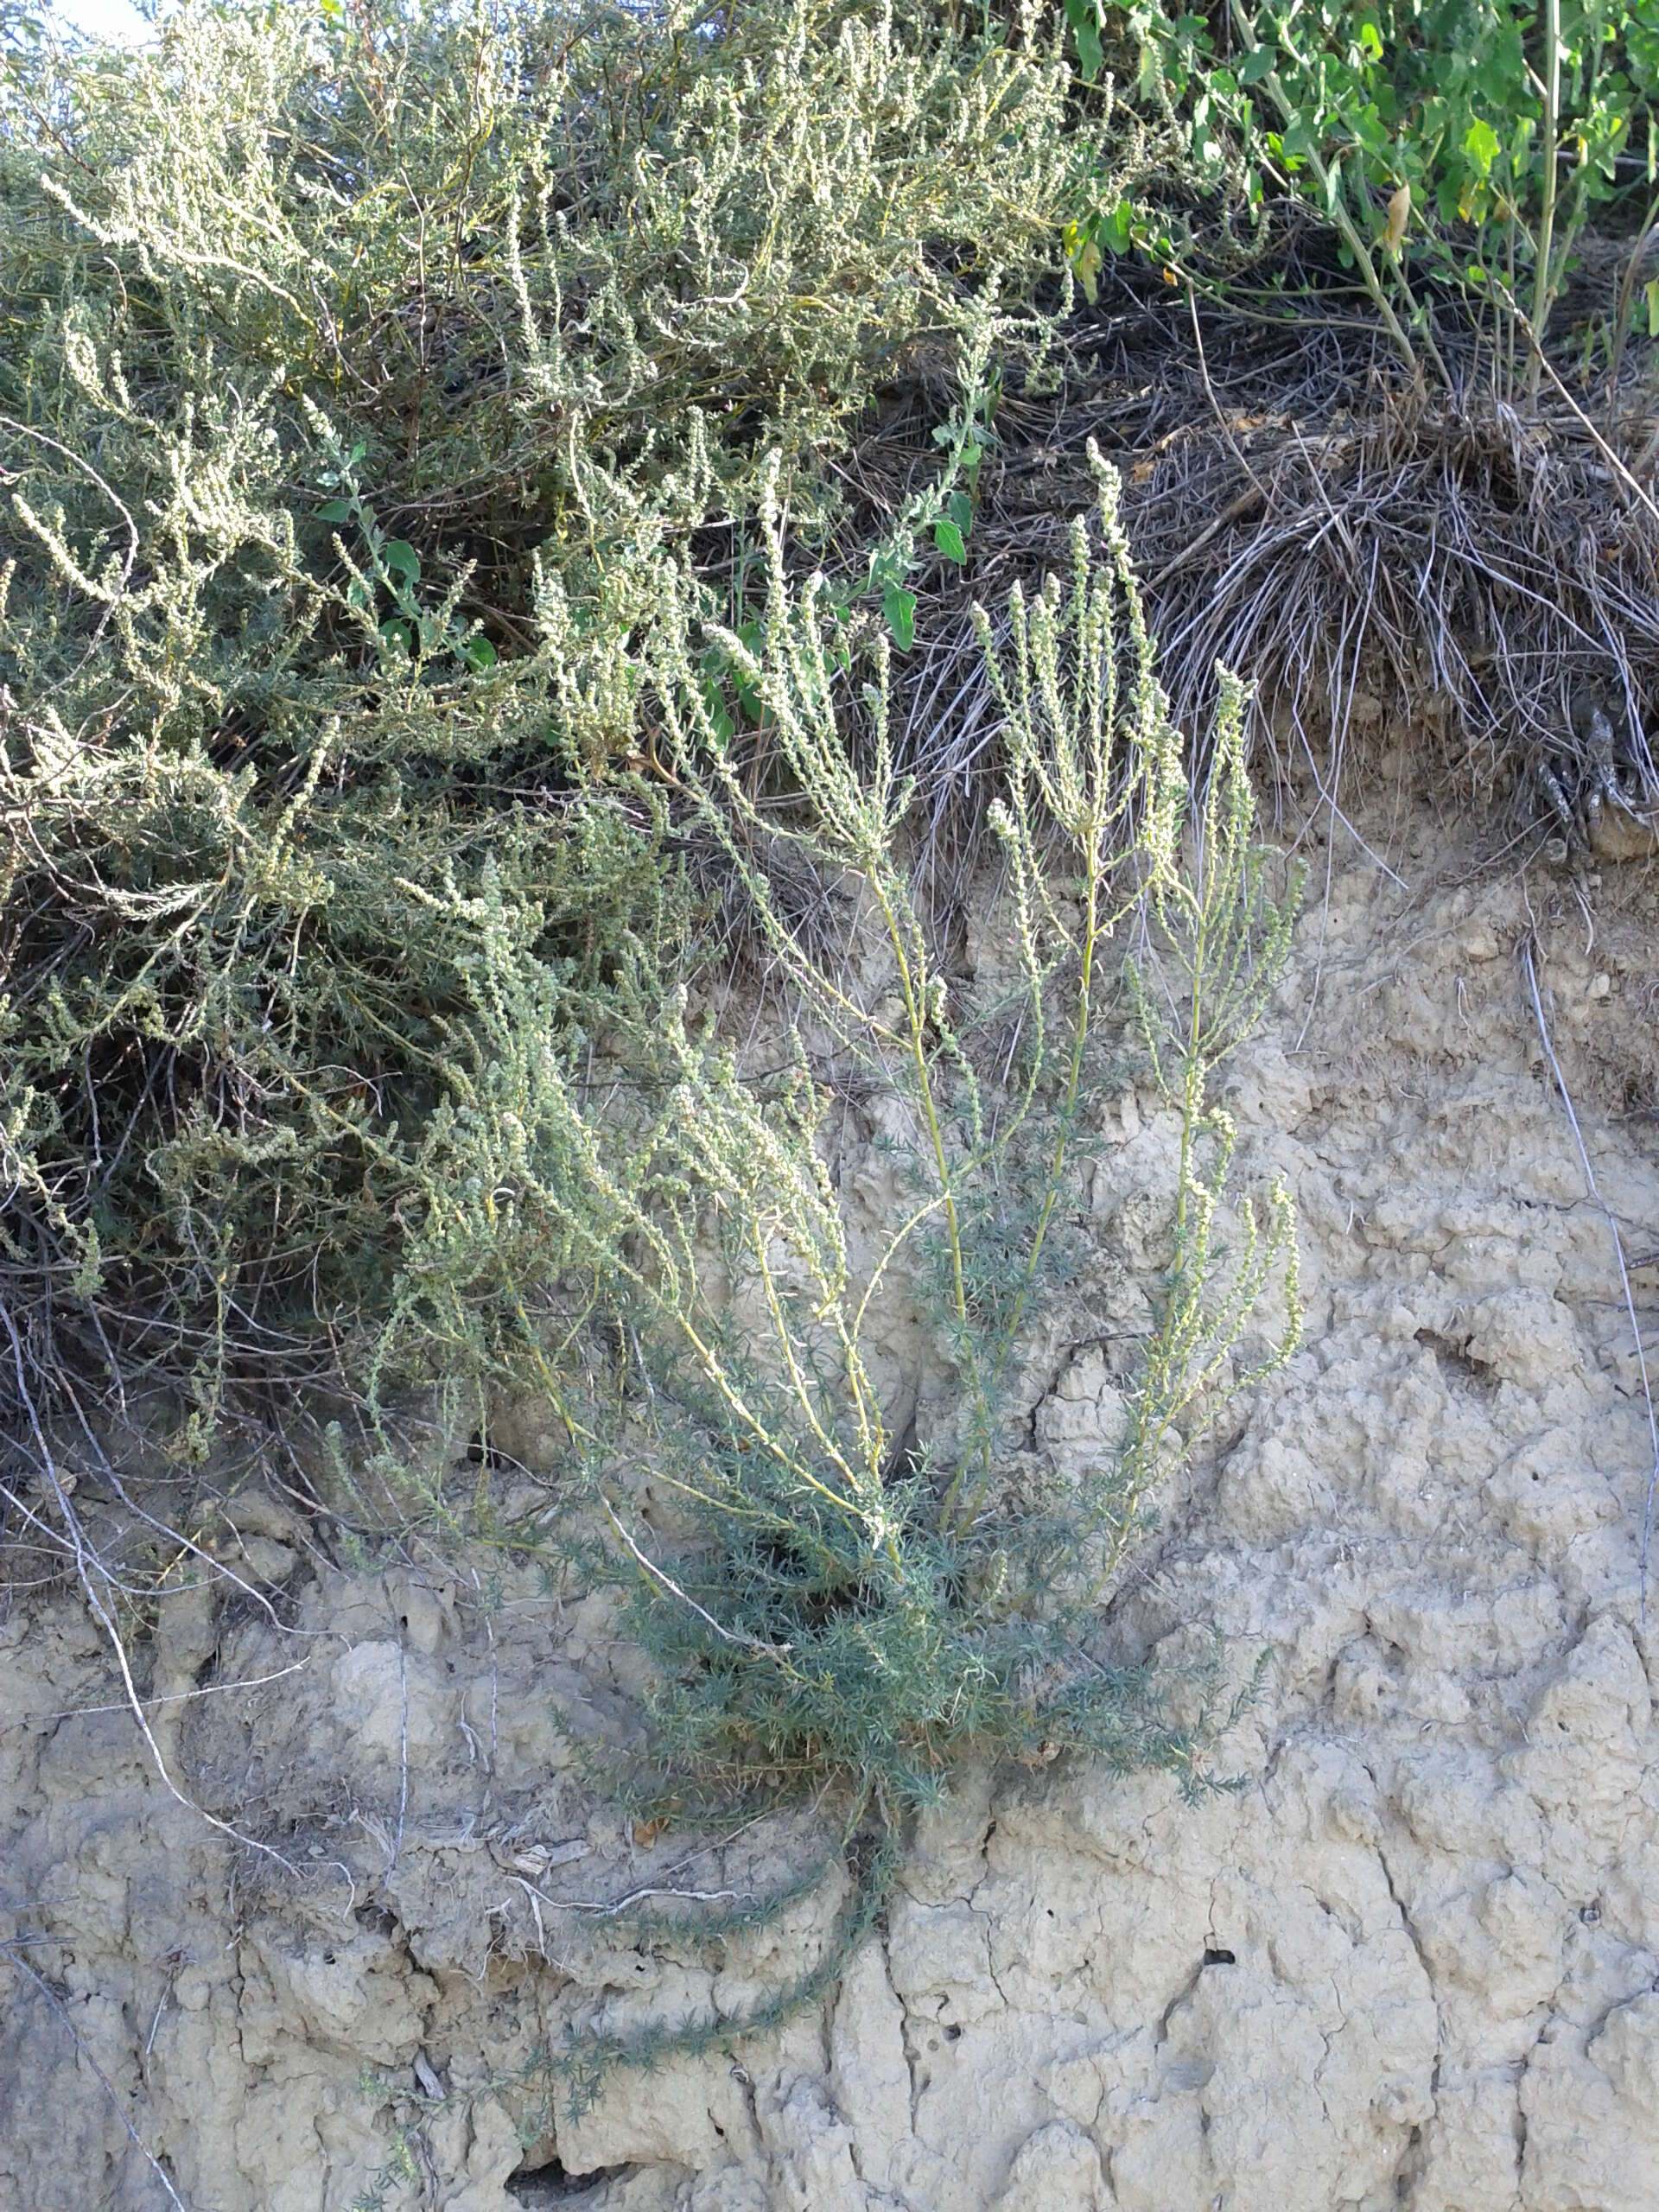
x=1413, y=1962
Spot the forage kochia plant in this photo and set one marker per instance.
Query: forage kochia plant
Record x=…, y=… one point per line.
x=833, y=1608
x=835, y=1605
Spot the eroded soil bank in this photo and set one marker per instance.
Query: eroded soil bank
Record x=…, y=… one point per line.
x=1413, y=1962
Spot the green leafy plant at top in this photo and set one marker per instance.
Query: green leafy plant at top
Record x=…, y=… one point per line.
x=1465, y=145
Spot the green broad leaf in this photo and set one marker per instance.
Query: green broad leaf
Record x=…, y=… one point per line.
x=356, y=454
x=398, y=636
x=900, y=607
x=1371, y=40
x=401, y=559
x=948, y=539
x=1480, y=142
x=1259, y=62
x=479, y=653
x=335, y=510
x=960, y=508
x=1368, y=129
x=360, y=596
x=724, y=727
x=1086, y=263
x=1085, y=29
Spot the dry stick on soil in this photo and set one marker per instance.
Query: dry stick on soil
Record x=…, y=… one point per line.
x=180, y=1697
x=1245, y=504
x=90, y=1570
x=755, y=1644
x=1618, y=1248
x=10, y=1951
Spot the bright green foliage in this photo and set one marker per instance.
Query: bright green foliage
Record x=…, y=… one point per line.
x=1506, y=129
